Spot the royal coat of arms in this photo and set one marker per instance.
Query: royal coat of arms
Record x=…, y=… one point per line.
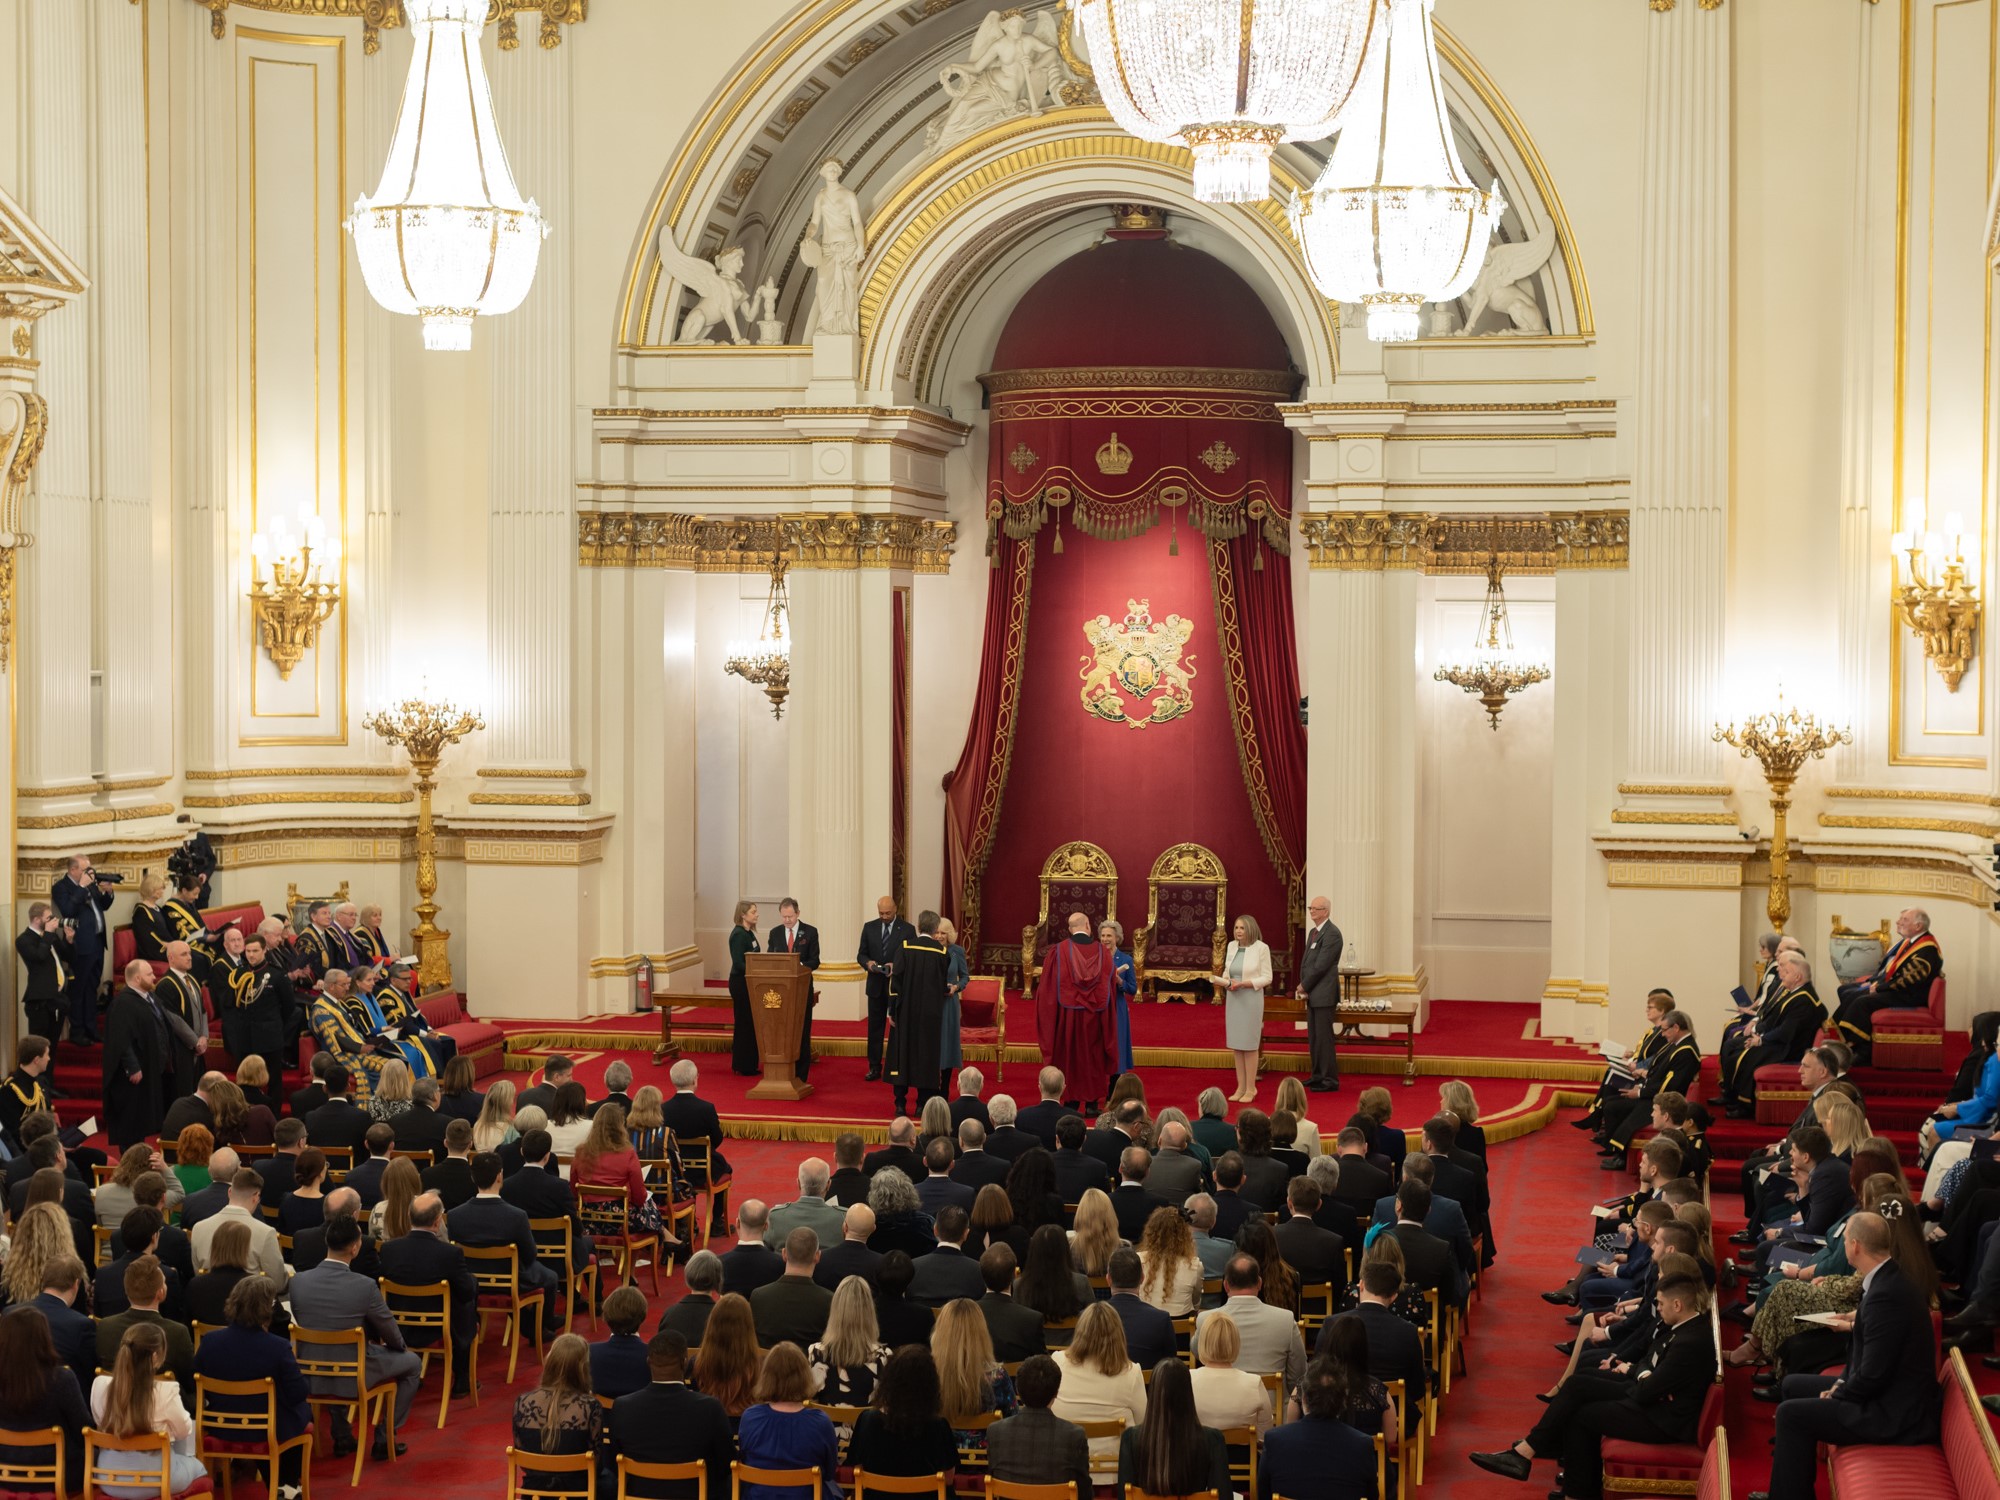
x=1138, y=658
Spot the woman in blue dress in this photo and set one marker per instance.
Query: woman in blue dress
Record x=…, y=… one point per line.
x=1108, y=931
x=1980, y=1111
x=957, y=975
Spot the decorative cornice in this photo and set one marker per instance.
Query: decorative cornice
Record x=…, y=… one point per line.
x=1648, y=815
x=1276, y=384
x=254, y=773
x=272, y=799
x=97, y=815
x=377, y=16
x=529, y=799
x=1912, y=794
x=1673, y=789
x=1919, y=825
x=1661, y=7
x=91, y=788
x=536, y=773
x=627, y=964
x=916, y=416
x=1546, y=542
x=835, y=542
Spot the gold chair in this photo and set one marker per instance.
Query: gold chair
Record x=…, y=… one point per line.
x=607, y=1220
x=1317, y=1303
x=1057, y=1332
x=203, y=1330
x=1077, y=876
x=1274, y=1386
x=1133, y=1492
x=631, y=1468
x=1104, y=1463
x=100, y=1239
x=427, y=1310
x=547, y=1467
x=1184, y=1339
x=553, y=1244
x=497, y=1269
x=343, y=1356
x=843, y=1419
x=741, y=1474
x=124, y=1473
x=892, y=1484
x=241, y=1433
x=698, y=1161
x=971, y=1448
x=1187, y=925
x=1242, y=1475
x=17, y=1474
x=1411, y=1448
x=1001, y=1489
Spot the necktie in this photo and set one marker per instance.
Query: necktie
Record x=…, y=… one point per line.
x=791, y=939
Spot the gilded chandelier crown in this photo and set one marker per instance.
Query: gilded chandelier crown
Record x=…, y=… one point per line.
x=1114, y=457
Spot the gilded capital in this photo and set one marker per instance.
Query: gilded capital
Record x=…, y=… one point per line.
x=1522, y=542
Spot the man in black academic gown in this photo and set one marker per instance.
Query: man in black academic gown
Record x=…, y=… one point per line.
x=801, y=939
x=245, y=986
x=881, y=947
x=135, y=1060
x=916, y=1007
x=185, y=1008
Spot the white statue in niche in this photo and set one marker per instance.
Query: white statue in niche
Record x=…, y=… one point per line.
x=1015, y=68
x=835, y=242
x=717, y=285
x=1503, y=285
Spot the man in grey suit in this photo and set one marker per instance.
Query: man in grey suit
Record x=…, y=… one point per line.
x=1319, y=987
x=1035, y=1446
x=1175, y=1174
x=811, y=1211
x=1271, y=1343
x=332, y=1297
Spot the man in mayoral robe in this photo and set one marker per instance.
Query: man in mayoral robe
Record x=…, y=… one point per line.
x=918, y=991
x=1074, y=1020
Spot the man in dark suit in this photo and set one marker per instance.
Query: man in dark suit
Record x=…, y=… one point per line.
x=1107, y=1143
x=751, y=1263
x=692, y=1118
x=1826, y=1196
x=1132, y=1201
x=671, y=1423
x=851, y=1256
x=801, y=940
x=976, y=1166
x=1319, y=988
x=1395, y=1348
x=618, y=1365
x=881, y=945
x=849, y=1183
x=451, y=1178
x=45, y=949
x=968, y=1105
x=75, y=1334
x=309, y=1244
x=424, y=1257
x=1149, y=1332
x=1459, y=1176
x=421, y=1127
x=1889, y=1392
x=936, y=1191
x=617, y=1090
x=490, y=1220
x=1039, y=1119
x=1076, y=1173
x=1018, y=1332
x=1656, y=1398
x=1006, y=1139
x=1315, y=1255
x=1427, y=1260
x=203, y=1203
x=192, y=1109
x=1361, y=1181
x=366, y=1179
x=1177, y=1173
x=540, y=1194
x=1035, y=1446
x=83, y=899
x=1445, y=1219
x=333, y=1298
x=304, y=1101
x=948, y=1272
x=1232, y=1209
x=279, y=1170
x=689, y=1316
x=138, y=1234
x=794, y=1307
x=47, y=1154
x=556, y=1071
x=900, y=1153
x=340, y=1123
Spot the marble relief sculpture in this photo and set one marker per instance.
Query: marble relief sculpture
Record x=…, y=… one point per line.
x=1505, y=285
x=718, y=287
x=1014, y=69
x=835, y=242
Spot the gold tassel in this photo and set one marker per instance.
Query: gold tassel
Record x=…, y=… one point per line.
x=1174, y=546
x=1258, y=566
x=1057, y=549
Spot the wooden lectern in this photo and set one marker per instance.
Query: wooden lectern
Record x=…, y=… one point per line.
x=780, y=991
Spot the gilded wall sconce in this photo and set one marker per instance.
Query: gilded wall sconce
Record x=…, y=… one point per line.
x=300, y=591
x=1943, y=610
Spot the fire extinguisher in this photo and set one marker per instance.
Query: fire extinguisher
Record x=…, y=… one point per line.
x=642, y=987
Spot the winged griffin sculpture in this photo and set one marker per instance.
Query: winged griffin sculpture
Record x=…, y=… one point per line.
x=1503, y=285
x=717, y=285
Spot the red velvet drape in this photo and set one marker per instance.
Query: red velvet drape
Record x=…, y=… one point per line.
x=973, y=790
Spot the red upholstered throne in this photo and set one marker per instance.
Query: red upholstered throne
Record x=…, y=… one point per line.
x=1186, y=931
x=1077, y=876
x=1912, y=1039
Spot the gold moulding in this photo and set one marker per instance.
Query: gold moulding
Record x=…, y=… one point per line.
x=274, y=799
x=1917, y=825
x=1694, y=819
x=839, y=542
x=1371, y=541
x=377, y=16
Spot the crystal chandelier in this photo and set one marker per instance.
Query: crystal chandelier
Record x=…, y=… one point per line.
x=1492, y=668
x=1228, y=79
x=1393, y=221
x=447, y=235
x=767, y=661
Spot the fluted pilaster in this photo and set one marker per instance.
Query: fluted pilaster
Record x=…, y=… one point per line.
x=1680, y=475
x=373, y=586
x=1862, y=566
x=826, y=758
x=1344, y=839
x=531, y=535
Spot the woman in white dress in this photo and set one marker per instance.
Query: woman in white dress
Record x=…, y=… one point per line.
x=1225, y=1396
x=1292, y=1096
x=130, y=1402
x=1245, y=976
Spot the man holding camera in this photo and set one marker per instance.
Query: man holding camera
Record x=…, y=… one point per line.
x=82, y=896
x=45, y=950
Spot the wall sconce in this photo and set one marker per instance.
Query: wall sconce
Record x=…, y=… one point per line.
x=1943, y=613
x=301, y=591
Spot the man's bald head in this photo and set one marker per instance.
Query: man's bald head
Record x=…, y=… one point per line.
x=222, y=1162
x=902, y=1131
x=179, y=956
x=341, y=1203
x=1078, y=922
x=859, y=1222
x=885, y=908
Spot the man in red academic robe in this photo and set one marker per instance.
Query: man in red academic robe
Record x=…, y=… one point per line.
x=1074, y=1020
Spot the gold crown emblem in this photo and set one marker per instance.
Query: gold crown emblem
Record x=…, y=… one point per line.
x=1114, y=457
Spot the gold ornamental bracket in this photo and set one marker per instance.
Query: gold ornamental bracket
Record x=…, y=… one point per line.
x=1371, y=541
x=1939, y=603
x=378, y=16
x=837, y=541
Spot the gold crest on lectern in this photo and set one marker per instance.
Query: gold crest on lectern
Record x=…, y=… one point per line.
x=1140, y=659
